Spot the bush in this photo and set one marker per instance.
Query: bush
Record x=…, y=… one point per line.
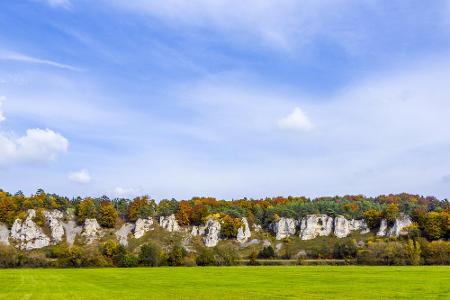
x=344, y=249
x=150, y=255
x=176, y=256
x=227, y=255
x=9, y=257
x=267, y=252
x=383, y=253
x=206, y=258
x=230, y=227
x=252, y=259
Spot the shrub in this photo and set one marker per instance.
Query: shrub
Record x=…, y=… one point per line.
x=267, y=252
x=344, y=249
x=176, y=256
x=227, y=254
x=9, y=257
x=252, y=259
x=206, y=258
x=150, y=255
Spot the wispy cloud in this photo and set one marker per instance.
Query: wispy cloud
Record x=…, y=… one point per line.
x=58, y=3
x=2, y=117
x=19, y=57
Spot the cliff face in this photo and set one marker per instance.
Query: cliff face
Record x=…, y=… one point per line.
x=59, y=226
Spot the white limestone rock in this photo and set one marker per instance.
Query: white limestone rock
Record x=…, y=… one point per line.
x=243, y=232
x=313, y=226
x=212, y=233
x=278, y=247
x=284, y=227
x=28, y=234
x=4, y=234
x=169, y=223
x=400, y=223
x=91, y=230
x=267, y=243
x=359, y=225
x=382, y=231
x=142, y=226
x=343, y=227
x=249, y=243
x=257, y=227
x=198, y=230
x=72, y=230
x=123, y=232
x=54, y=222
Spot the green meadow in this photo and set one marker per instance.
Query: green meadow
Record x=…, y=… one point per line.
x=269, y=282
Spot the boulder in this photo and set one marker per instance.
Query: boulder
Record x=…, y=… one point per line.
x=278, y=247
x=198, y=230
x=72, y=230
x=53, y=220
x=91, y=230
x=284, y=227
x=400, y=224
x=313, y=226
x=28, y=234
x=4, y=234
x=250, y=243
x=169, y=223
x=382, y=231
x=257, y=227
x=212, y=233
x=123, y=232
x=243, y=232
x=142, y=226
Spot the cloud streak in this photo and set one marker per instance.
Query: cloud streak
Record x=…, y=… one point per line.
x=19, y=57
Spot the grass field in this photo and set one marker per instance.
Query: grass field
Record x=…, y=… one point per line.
x=311, y=282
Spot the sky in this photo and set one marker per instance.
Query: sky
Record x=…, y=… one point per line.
x=225, y=98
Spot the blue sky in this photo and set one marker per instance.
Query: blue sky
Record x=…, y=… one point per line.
x=225, y=98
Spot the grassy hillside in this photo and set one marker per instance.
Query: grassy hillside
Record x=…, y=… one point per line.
x=228, y=283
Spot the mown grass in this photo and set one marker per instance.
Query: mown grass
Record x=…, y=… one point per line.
x=318, y=282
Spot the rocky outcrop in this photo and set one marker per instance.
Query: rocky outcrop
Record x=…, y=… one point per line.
x=72, y=230
x=198, y=230
x=169, y=223
x=91, y=230
x=212, y=233
x=28, y=234
x=284, y=227
x=4, y=234
x=313, y=226
x=382, y=231
x=243, y=232
x=257, y=227
x=400, y=224
x=53, y=219
x=142, y=226
x=123, y=232
x=343, y=227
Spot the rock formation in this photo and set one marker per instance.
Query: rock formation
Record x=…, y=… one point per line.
x=72, y=230
x=28, y=234
x=169, y=223
x=53, y=220
x=284, y=227
x=400, y=223
x=313, y=226
x=212, y=233
x=123, y=232
x=91, y=230
x=243, y=232
x=143, y=226
x=4, y=234
x=382, y=231
x=343, y=227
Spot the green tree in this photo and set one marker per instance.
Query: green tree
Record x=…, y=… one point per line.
x=150, y=255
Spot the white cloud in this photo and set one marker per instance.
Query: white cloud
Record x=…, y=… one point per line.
x=81, y=176
x=20, y=57
x=296, y=121
x=2, y=117
x=37, y=145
